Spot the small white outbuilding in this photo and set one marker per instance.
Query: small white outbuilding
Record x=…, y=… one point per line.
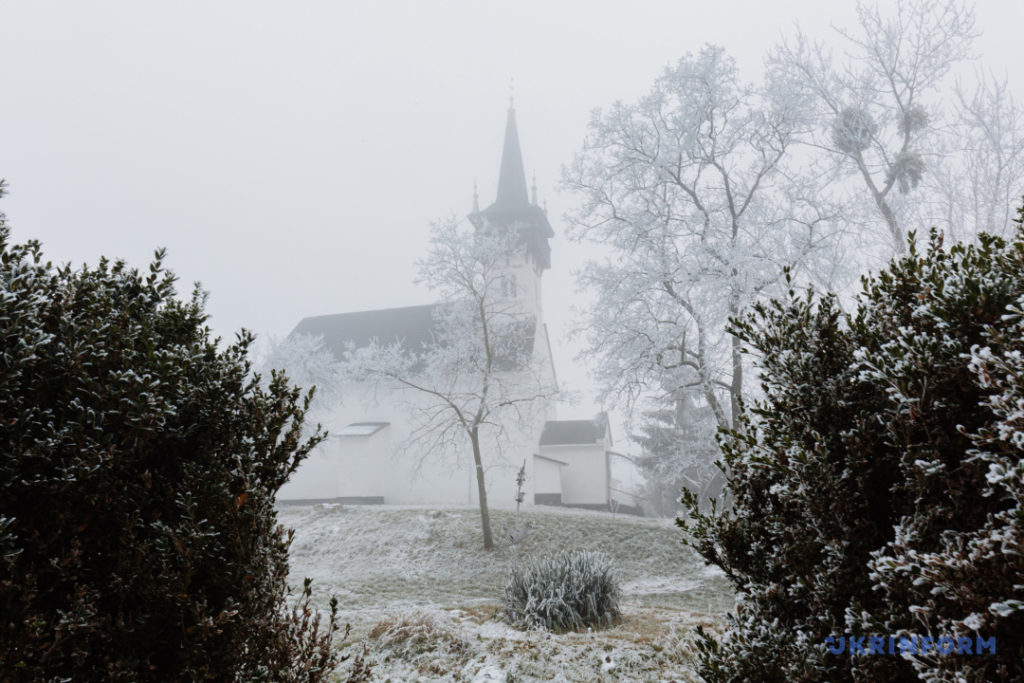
x=573, y=464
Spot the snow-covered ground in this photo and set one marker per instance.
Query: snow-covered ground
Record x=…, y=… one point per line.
x=423, y=597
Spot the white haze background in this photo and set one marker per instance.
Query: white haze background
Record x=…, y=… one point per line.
x=291, y=156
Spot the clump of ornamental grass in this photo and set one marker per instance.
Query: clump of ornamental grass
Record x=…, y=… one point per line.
x=566, y=592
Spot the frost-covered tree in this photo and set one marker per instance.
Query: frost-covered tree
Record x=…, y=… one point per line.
x=309, y=364
x=979, y=173
x=679, y=451
x=479, y=380
x=690, y=191
x=893, y=136
x=876, y=486
x=138, y=469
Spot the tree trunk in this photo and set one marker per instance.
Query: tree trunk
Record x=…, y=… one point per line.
x=899, y=240
x=736, y=390
x=485, y=517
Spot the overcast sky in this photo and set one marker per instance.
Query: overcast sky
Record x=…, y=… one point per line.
x=291, y=156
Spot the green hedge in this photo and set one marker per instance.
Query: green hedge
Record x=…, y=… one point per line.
x=138, y=468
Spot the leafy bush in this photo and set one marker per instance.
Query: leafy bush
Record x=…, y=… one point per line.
x=138, y=469
x=566, y=592
x=877, y=486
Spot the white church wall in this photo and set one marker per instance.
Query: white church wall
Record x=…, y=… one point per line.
x=506, y=459
x=315, y=479
x=380, y=465
x=521, y=282
x=362, y=464
x=402, y=473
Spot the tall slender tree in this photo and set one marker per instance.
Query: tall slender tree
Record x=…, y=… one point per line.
x=478, y=382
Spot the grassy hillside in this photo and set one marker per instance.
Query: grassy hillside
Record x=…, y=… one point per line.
x=422, y=593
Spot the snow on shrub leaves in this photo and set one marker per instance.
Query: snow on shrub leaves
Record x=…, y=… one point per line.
x=877, y=486
x=567, y=592
x=138, y=469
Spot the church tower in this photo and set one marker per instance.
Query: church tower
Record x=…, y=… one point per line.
x=513, y=208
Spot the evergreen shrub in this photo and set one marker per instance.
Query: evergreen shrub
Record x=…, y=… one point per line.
x=138, y=468
x=877, y=486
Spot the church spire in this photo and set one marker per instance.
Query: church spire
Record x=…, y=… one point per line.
x=512, y=207
x=512, y=178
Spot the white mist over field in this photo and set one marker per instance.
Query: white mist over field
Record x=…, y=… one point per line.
x=291, y=157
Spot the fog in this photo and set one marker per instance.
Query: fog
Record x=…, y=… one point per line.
x=290, y=156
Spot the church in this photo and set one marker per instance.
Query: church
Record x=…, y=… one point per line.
x=366, y=458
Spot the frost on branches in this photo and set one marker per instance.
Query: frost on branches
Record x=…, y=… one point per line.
x=980, y=172
x=309, y=364
x=690, y=190
x=877, y=486
x=478, y=381
x=895, y=138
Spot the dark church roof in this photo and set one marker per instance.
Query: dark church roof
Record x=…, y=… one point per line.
x=512, y=177
x=512, y=206
x=413, y=326
x=573, y=432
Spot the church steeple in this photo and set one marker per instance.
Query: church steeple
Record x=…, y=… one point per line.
x=512, y=177
x=512, y=207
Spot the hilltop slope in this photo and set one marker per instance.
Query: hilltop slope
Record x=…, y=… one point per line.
x=422, y=593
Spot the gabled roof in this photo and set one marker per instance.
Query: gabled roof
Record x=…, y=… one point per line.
x=574, y=432
x=413, y=326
